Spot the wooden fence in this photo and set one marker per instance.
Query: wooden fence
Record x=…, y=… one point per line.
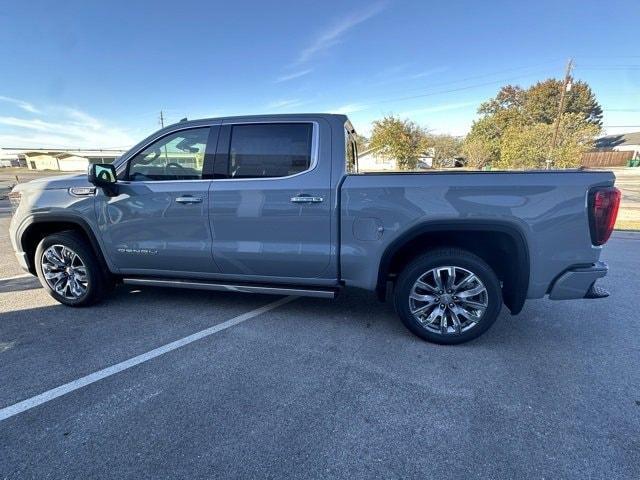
x=606, y=159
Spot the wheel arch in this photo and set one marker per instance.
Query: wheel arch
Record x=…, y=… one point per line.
x=490, y=240
x=36, y=227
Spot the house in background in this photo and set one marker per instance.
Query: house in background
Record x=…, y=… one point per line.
x=373, y=160
x=613, y=151
x=41, y=161
x=624, y=142
x=64, y=160
x=10, y=159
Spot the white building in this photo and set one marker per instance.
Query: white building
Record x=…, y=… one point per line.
x=58, y=159
x=372, y=160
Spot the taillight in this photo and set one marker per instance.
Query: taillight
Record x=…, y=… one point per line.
x=603, y=210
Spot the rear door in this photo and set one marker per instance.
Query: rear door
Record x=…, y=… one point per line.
x=158, y=222
x=270, y=200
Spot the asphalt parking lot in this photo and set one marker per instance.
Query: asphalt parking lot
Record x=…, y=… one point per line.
x=317, y=389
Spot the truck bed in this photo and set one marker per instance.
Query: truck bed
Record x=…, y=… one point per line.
x=548, y=208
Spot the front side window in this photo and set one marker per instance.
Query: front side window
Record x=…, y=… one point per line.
x=269, y=150
x=178, y=156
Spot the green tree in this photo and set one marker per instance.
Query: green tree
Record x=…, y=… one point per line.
x=445, y=149
x=539, y=103
x=399, y=139
x=477, y=152
x=362, y=142
x=543, y=98
x=510, y=97
x=522, y=118
x=486, y=133
x=529, y=147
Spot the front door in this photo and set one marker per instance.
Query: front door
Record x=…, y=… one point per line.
x=270, y=201
x=158, y=222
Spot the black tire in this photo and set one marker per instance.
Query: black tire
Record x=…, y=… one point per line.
x=97, y=279
x=448, y=257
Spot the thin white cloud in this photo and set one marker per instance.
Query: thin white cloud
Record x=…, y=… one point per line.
x=291, y=76
x=284, y=103
x=349, y=108
x=428, y=73
x=60, y=127
x=438, y=108
x=26, y=106
x=327, y=39
x=400, y=73
x=332, y=35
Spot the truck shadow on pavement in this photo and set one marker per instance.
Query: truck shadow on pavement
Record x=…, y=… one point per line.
x=353, y=314
x=18, y=284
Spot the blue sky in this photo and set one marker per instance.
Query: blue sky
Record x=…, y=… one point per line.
x=96, y=74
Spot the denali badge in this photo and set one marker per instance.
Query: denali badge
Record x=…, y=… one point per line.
x=138, y=251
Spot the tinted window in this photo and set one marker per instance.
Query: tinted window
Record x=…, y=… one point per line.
x=269, y=150
x=179, y=156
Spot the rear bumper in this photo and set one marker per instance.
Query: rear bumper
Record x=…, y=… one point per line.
x=576, y=281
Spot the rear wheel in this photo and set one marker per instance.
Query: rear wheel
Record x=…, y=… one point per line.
x=68, y=269
x=448, y=296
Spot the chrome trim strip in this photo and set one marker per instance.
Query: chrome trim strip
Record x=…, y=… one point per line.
x=315, y=146
x=129, y=182
x=228, y=287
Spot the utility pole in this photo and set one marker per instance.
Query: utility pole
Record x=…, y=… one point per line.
x=161, y=119
x=566, y=87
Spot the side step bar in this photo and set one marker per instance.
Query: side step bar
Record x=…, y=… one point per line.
x=230, y=287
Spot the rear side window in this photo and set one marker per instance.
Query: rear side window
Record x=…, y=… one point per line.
x=269, y=150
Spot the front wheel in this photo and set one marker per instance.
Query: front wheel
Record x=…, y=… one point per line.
x=68, y=269
x=448, y=296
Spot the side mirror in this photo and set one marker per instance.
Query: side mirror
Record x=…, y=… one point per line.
x=102, y=174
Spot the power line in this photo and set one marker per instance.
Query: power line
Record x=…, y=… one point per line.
x=612, y=67
x=491, y=74
x=609, y=56
x=439, y=92
x=607, y=65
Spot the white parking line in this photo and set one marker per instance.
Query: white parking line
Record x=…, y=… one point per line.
x=32, y=402
x=15, y=277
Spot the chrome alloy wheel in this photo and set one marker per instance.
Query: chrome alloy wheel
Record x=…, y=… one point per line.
x=448, y=300
x=65, y=272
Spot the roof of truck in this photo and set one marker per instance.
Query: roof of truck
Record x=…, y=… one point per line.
x=267, y=117
x=260, y=117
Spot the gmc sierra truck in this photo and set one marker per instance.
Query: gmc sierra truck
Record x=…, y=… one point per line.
x=275, y=204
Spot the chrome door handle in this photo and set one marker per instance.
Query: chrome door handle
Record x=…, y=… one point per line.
x=188, y=199
x=306, y=199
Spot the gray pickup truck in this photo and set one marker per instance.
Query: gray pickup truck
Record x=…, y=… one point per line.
x=275, y=204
